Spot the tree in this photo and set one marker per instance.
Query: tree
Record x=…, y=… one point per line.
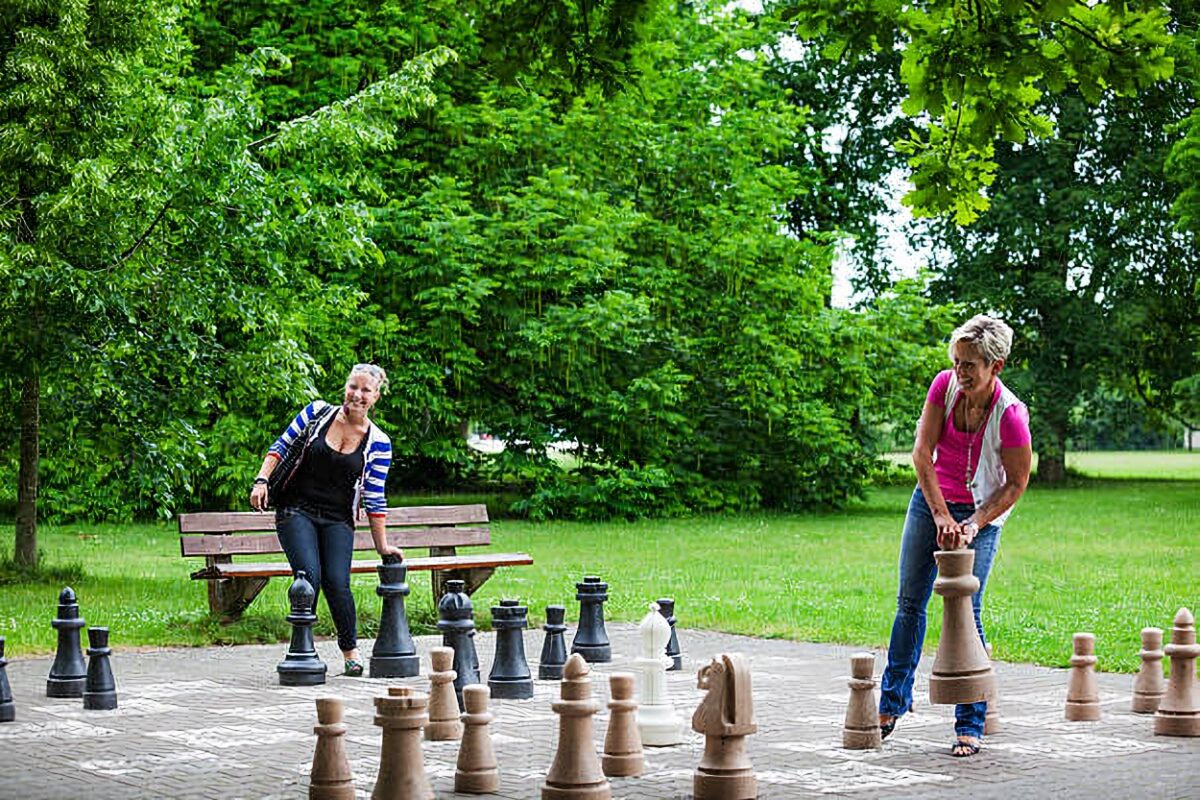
x=149, y=234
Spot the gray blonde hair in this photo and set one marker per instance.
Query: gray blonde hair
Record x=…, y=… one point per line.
x=372, y=370
x=991, y=337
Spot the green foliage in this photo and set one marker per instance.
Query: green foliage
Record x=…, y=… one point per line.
x=976, y=72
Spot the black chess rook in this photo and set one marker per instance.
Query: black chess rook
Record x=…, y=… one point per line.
x=591, y=638
x=510, y=678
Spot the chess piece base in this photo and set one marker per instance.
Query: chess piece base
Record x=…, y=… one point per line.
x=550, y=672
x=1145, y=703
x=1082, y=712
x=594, y=653
x=600, y=791
x=65, y=687
x=991, y=724
x=8, y=712
x=676, y=664
x=302, y=675
x=629, y=765
x=99, y=701
x=486, y=782
x=737, y=786
x=962, y=688
x=319, y=792
x=521, y=689
x=1167, y=724
x=658, y=726
x=870, y=739
x=395, y=666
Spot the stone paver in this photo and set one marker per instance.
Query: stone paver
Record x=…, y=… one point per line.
x=213, y=722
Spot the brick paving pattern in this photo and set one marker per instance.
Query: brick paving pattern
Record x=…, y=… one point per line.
x=213, y=722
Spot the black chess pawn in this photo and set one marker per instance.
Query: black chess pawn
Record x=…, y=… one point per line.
x=554, y=647
x=510, y=678
x=456, y=621
x=666, y=607
x=591, y=638
x=301, y=666
x=69, y=673
x=395, y=653
x=8, y=711
x=100, y=690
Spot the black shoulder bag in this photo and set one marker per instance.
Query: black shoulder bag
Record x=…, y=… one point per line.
x=281, y=477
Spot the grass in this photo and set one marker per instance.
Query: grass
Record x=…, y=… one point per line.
x=1118, y=464
x=1102, y=556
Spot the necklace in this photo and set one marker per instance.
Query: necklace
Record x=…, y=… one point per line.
x=968, y=475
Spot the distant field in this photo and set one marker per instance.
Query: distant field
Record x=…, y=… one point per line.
x=1150, y=464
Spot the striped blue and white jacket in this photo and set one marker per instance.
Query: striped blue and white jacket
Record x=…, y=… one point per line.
x=376, y=461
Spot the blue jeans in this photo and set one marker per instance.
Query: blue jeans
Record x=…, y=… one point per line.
x=917, y=573
x=323, y=548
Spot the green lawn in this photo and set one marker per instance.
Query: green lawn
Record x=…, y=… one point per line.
x=1107, y=557
x=1145, y=464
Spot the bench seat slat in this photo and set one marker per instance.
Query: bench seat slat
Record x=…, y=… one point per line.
x=257, y=543
x=281, y=568
x=405, y=516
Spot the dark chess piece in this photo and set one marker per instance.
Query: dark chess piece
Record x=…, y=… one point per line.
x=8, y=711
x=456, y=621
x=301, y=666
x=591, y=639
x=554, y=648
x=100, y=690
x=666, y=607
x=510, y=678
x=69, y=673
x=395, y=653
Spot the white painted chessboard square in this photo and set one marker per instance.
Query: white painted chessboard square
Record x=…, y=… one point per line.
x=851, y=776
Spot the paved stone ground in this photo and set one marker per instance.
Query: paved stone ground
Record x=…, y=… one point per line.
x=199, y=723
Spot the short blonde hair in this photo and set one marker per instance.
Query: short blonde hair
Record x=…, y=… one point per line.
x=991, y=337
x=374, y=371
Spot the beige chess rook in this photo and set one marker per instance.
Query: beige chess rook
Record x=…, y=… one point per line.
x=1083, y=693
x=1148, y=685
x=623, y=756
x=962, y=672
x=861, y=731
x=575, y=773
x=991, y=723
x=1179, y=711
x=477, y=768
x=444, y=723
x=402, y=715
x=726, y=717
x=330, y=778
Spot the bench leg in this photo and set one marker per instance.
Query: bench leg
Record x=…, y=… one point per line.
x=473, y=578
x=229, y=597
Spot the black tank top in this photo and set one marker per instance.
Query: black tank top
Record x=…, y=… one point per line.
x=326, y=479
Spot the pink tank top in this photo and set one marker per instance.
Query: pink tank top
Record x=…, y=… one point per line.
x=950, y=462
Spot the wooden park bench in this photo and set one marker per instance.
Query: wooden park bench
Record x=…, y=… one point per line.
x=232, y=585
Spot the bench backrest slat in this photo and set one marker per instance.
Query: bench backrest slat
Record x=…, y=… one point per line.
x=258, y=543
x=407, y=516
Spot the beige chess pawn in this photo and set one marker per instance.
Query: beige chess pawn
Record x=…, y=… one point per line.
x=622, y=743
x=575, y=773
x=1179, y=710
x=330, y=778
x=1148, y=685
x=1083, y=694
x=962, y=672
x=861, y=731
x=444, y=723
x=726, y=717
x=402, y=776
x=477, y=768
x=991, y=723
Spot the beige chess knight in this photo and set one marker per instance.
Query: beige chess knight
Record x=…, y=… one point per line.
x=972, y=456
x=726, y=717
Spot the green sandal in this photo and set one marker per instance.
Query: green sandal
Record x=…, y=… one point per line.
x=354, y=669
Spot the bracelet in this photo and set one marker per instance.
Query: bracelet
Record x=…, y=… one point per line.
x=257, y=481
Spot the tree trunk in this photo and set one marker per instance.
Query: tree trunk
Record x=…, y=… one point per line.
x=1052, y=451
x=26, y=551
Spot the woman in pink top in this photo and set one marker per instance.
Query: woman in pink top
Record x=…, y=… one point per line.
x=972, y=455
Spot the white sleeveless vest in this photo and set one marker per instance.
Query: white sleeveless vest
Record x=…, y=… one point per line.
x=989, y=472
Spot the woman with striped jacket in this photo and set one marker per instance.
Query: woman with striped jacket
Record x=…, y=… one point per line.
x=344, y=465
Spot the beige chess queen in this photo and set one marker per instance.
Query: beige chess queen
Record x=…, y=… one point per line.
x=972, y=456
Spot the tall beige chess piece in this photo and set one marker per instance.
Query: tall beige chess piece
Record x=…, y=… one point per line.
x=1179, y=710
x=575, y=773
x=402, y=715
x=444, y=723
x=623, y=756
x=962, y=672
x=861, y=729
x=330, y=778
x=1083, y=693
x=726, y=717
x=476, y=771
x=1148, y=686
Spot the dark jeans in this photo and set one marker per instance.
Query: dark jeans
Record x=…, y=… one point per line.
x=917, y=573
x=323, y=548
